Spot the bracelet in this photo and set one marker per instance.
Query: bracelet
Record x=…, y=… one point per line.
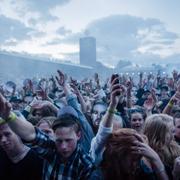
x=12, y=117
x=2, y=121
x=170, y=104
x=111, y=111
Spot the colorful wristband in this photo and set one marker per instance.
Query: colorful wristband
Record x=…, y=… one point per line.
x=111, y=111
x=12, y=117
x=2, y=121
x=170, y=104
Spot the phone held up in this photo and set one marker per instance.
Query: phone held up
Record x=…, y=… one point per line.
x=116, y=76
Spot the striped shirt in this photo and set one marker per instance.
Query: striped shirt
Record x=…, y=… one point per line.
x=79, y=165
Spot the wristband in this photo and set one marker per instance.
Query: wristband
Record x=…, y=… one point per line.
x=111, y=111
x=12, y=117
x=170, y=104
x=2, y=121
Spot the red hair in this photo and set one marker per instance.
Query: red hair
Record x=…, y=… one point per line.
x=118, y=146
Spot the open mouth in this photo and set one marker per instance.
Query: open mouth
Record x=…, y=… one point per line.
x=97, y=122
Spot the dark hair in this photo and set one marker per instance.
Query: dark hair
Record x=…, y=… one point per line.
x=164, y=87
x=46, y=111
x=98, y=103
x=67, y=120
x=136, y=109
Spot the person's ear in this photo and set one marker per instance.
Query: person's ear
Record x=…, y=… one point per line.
x=78, y=135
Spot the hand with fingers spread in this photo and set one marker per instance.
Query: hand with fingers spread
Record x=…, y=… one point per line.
x=61, y=78
x=143, y=149
x=75, y=89
x=42, y=93
x=149, y=103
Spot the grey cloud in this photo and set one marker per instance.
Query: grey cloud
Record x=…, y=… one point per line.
x=157, y=35
x=119, y=33
x=117, y=36
x=41, y=8
x=63, y=31
x=13, y=29
x=45, y=5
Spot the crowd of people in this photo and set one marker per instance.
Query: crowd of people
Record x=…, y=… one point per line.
x=62, y=128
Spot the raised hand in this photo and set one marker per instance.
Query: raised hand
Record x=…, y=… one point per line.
x=5, y=107
x=62, y=81
x=75, y=89
x=143, y=149
x=60, y=78
x=149, y=103
x=117, y=90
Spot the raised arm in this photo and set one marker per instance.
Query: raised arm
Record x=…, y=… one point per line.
x=72, y=101
x=17, y=122
x=80, y=97
x=172, y=101
x=106, y=126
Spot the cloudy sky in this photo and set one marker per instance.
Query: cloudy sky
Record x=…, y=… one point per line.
x=142, y=31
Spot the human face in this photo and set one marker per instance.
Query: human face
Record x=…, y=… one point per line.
x=38, y=113
x=9, y=141
x=66, y=141
x=164, y=93
x=137, y=121
x=177, y=128
x=98, y=112
x=44, y=126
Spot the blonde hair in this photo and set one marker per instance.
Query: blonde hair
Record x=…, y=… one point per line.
x=161, y=138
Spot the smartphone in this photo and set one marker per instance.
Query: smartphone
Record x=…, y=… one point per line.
x=116, y=82
x=113, y=77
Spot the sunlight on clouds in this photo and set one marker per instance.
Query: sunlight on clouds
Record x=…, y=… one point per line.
x=121, y=28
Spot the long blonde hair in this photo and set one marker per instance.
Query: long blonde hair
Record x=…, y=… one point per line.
x=160, y=136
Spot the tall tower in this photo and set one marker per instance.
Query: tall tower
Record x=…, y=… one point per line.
x=88, y=51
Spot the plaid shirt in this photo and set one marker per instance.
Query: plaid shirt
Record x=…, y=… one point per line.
x=78, y=167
